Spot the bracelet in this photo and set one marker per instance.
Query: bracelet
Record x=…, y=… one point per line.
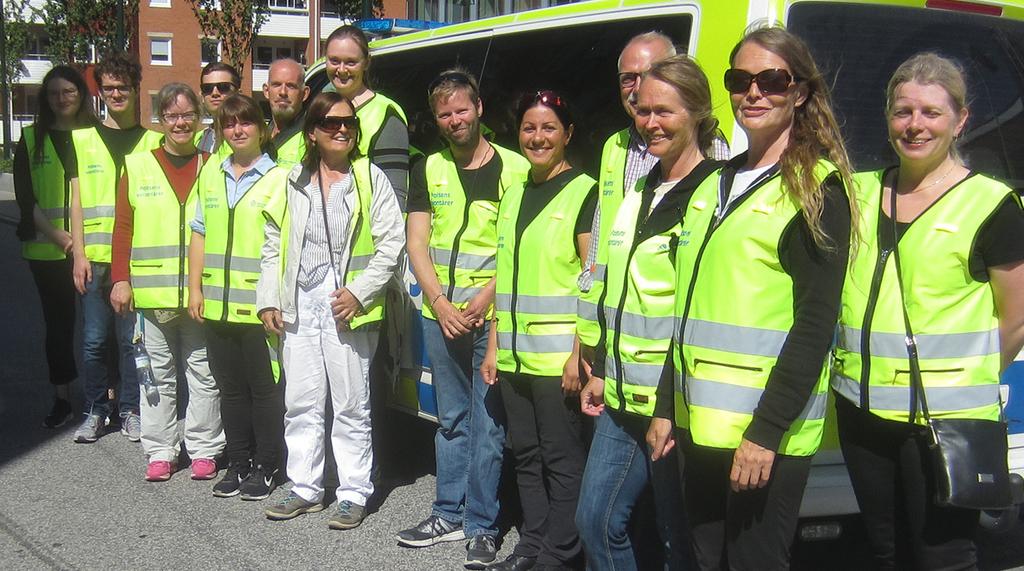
x=436, y=297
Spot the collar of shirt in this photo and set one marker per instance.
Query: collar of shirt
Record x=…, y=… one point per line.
x=636, y=141
x=262, y=167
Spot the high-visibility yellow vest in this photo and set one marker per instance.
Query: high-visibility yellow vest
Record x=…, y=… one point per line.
x=234, y=240
x=611, y=188
x=736, y=305
x=536, y=288
x=292, y=151
x=953, y=316
x=372, y=115
x=360, y=241
x=220, y=152
x=50, y=187
x=159, y=264
x=463, y=236
x=97, y=187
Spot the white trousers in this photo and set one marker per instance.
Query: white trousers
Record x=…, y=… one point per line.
x=319, y=359
x=203, y=432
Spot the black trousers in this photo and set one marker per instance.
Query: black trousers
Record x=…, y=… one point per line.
x=545, y=435
x=251, y=403
x=892, y=478
x=57, y=295
x=751, y=529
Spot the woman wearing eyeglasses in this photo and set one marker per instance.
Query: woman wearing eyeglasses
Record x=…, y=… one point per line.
x=543, y=227
x=156, y=199
x=325, y=265
x=961, y=245
x=41, y=187
x=224, y=266
x=759, y=271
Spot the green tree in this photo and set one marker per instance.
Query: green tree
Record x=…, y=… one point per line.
x=17, y=20
x=74, y=26
x=234, y=22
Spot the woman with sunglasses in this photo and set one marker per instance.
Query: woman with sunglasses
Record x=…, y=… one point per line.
x=156, y=199
x=224, y=266
x=325, y=265
x=41, y=187
x=759, y=270
x=958, y=273
x=543, y=226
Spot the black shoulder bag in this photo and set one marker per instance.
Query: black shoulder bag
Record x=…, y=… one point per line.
x=968, y=455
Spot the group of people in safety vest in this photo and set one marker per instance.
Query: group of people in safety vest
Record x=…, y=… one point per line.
x=697, y=310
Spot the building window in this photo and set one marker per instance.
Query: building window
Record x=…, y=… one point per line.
x=287, y=5
x=159, y=3
x=264, y=57
x=209, y=50
x=160, y=51
x=36, y=46
x=154, y=113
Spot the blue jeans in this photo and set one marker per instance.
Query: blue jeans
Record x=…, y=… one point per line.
x=618, y=470
x=470, y=437
x=98, y=322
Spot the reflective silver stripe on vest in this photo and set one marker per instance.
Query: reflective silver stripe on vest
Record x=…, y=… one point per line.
x=246, y=296
x=940, y=399
x=51, y=213
x=734, y=338
x=586, y=310
x=98, y=238
x=600, y=270
x=929, y=346
x=464, y=294
x=540, y=304
x=743, y=400
x=154, y=252
x=359, y=263
x=643, y=374
x=98, y=212
x=155, y=281
x=465, y=261
x=558, y=343
x=643, y=327
x=217, y=261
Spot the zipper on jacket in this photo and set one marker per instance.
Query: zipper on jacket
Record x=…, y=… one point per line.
x=227, y=263
x=453, y=258
x=617, y=338
x=181, y=255
x=515, y=291
x=865, y=330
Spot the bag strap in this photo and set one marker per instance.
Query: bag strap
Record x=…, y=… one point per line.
x=917, y=392
x=327, y=226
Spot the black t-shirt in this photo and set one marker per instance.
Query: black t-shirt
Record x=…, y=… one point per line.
x=478, y=184
x=119, y=142
x=537, y=196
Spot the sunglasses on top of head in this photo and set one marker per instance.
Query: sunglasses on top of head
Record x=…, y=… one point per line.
x=332, y=123
x=769, y=81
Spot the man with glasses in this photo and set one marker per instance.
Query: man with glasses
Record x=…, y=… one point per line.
x=217, y=82
x=452, y=242
x=98, y=163
x=286, y=92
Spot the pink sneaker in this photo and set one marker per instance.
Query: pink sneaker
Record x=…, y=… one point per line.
x=204, y=469
x=160, y=471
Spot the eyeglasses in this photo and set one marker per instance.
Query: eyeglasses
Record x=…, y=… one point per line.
x=68, y=93
x=222, y=86
x=449, y=77
x=769, y=81
x=173, y=118
x=628, y=79
x=110, y=89
x=331, y=124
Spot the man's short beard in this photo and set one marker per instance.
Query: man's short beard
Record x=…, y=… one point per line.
x=281, y=118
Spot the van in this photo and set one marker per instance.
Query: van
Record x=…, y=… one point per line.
x=573, y=48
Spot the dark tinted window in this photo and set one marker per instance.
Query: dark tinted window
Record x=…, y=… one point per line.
x=861, y=46
x=578, y=61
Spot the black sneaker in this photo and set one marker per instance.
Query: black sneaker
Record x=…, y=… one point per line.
x=260, y=483
x=431, y=531
x=59, y=415
x=229, y=484
x=480, y=551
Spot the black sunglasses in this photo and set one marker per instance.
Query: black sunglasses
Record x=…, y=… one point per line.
x=769, y=81
x=331, y=124
x=221, y=86
x=449, y=77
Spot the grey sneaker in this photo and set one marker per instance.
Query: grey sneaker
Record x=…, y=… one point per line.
x=292, y=505
x=131, y=427
x=90, y=430
x=348, y=516
x=481, y=551
x=431, y=531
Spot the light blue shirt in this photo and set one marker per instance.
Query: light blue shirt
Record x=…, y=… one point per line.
x=236, y=188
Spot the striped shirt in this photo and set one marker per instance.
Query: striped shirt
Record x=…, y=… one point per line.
x=315, y=261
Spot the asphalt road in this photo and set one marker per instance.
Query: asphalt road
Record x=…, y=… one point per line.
x=73, y=506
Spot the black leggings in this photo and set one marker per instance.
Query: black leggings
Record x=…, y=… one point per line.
x=57, y=295
x=888, y=465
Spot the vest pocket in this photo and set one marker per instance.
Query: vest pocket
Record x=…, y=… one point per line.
x=934, y=377
x=713, y=365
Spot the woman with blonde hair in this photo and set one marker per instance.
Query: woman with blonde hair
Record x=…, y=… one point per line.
x=760, y=265
x=955, y=281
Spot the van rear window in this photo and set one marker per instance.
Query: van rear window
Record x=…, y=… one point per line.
x=858, y=47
